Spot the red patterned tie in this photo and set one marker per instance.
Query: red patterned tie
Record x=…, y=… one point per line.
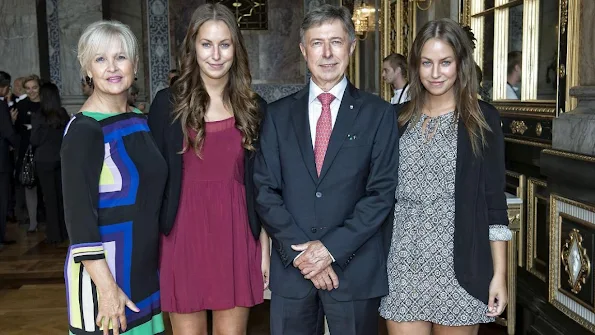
x=324, y=128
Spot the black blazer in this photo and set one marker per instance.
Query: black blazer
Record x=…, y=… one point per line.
x=480, y=202
x=345, y=207
x=46, y=139
x=170, y=140
x=8, y=138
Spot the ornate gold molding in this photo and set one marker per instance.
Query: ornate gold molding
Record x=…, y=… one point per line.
x=572, y=9
x=520, y=192
x=518, y=127
x=530, y=143
x=554, y=284
x=527, y=108
x=576, y=262
x=563, y=15
x=532, y=201
x=571, y=155
x=538, y=129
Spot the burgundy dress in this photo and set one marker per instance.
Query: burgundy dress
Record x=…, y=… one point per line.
x=210, y=260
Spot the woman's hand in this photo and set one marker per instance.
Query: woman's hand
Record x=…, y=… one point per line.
x=498, y=296
x=265, y=267
x=112, y=308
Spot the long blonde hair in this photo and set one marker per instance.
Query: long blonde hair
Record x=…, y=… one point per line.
x=191, y=99
x=465, y=86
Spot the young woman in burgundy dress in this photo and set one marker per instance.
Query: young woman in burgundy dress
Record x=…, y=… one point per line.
x=214, y=254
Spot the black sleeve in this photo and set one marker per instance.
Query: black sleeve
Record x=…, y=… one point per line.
x=39, y=129
x=495, y=178
x=277, y=220
x=82, y=157
x=7, y=131
x=159, y=117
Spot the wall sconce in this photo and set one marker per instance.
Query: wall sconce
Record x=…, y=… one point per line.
x=364, y=18
x=429, y=4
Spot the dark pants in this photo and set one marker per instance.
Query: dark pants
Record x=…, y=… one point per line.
x=49, y=174
x=304, y=316
x=4, y=200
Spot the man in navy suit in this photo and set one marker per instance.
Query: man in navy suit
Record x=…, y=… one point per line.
x=8, y=138
x=325, y=179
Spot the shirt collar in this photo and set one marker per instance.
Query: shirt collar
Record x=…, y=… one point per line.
x=337, y=90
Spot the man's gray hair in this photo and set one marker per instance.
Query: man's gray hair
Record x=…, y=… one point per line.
x=325, y=14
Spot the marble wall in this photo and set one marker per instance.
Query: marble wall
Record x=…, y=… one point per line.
x=587, y=44
x=74, y=16
x=130, y=12
x=19, y=54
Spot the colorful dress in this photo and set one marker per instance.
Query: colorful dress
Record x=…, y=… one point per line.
x=210, y=260
x=113, y=182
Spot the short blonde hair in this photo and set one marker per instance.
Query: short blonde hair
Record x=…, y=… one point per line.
x=98, y=35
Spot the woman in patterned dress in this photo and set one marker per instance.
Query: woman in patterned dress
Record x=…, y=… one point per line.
x=447, y=258
x=113, y=178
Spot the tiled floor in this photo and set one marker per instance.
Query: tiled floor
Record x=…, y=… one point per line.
x=32, y=296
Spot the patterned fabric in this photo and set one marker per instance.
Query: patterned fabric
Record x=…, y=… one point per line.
x=500, y=233
x=422, y=282
x=324, y=128
x=114, y=177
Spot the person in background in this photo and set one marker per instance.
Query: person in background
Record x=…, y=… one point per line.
x=394, y=73
x=26, y=108
x=113, y=178
x=450, y=196
x=514, y=71
x=8, y=138
x=87, y=86
x=46, y=138
x=132, y=96
x=215, y=253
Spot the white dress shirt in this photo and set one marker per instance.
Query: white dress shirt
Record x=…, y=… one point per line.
x=315, y=106
x=21, y=97
x=9, y=103
x=400, y=96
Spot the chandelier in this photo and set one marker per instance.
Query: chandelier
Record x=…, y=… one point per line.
x=364, y=17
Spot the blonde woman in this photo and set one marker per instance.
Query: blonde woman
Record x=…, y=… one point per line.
x=113, y=178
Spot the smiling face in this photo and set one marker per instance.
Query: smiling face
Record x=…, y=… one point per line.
x=111, y=69
x=214, y=50
x=326, y=49
x=438, y=67
x=32, y=90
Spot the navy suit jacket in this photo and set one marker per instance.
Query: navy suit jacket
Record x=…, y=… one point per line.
x=8, y=138
x=345, y=207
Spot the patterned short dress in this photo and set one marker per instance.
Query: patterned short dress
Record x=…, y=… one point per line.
x=421, y=276
x=113, y=182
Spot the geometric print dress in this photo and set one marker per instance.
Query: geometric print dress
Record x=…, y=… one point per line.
x=113, y=182
x=421, y=276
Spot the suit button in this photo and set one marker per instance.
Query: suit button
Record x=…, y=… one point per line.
x=318, y=194
x=313, y=230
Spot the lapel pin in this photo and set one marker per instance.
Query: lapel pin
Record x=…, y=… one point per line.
x=350, y=106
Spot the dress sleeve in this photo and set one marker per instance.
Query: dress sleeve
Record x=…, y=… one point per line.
x=82, y=157
x=500, y=233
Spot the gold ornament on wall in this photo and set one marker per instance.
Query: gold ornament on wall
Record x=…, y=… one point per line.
x=518, y=127
x=576, y=262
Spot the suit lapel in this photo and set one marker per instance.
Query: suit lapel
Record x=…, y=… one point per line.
x=301, y=125
x=350, y=105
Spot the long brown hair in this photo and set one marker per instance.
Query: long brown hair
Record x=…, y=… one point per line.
x=191, y=99
x=465, y=86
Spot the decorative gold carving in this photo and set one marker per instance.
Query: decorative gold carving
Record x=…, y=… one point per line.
x=532, y=201
x=570, y=155
x=250, y=14
x=562, y=71
x=527, y=108
x=538, y=129
x=563, y=15
x=520, y=192
x=554, y=269
x=576, y=262
x=530, y=143
x=518, y=127
x=573, y=45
